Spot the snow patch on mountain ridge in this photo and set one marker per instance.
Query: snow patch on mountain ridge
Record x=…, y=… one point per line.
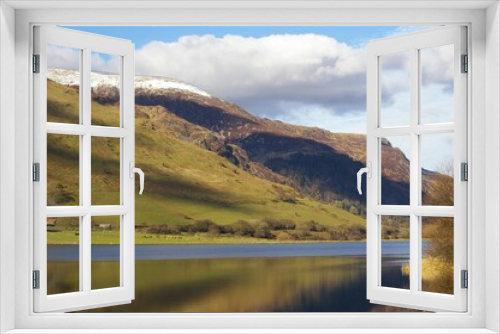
x=98, y=80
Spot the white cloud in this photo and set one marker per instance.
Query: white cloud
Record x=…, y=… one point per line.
x=64, y=58
x=105, y=63
x=262, y=73
x=436, y=150
x=437, y=64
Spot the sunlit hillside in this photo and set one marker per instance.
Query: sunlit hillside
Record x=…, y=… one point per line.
x=184, y=182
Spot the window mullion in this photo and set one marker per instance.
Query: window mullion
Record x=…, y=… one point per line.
x=414, y=170
x=81, y=181
x=434, y=128
x=80, y=130
x=393, y=131
x=67, y=129
x=80, y=211
x=85, y=242
x=417, y=129
x=406, y=210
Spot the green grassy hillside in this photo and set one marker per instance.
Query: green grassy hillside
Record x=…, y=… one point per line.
x=184, y=183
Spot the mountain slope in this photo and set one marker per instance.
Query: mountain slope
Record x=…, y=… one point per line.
x=316, y=162
x=184, y=182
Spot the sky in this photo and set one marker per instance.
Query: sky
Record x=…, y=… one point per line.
x=312, y=76
x=141, y=36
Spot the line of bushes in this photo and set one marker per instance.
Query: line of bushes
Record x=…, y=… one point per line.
x=278, y=229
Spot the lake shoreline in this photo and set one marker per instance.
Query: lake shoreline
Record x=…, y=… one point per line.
x=237, y=243
x=112, y=238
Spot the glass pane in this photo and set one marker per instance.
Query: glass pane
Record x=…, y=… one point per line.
x=63, y=255
x=437, y=84
x=63, y=170
x=395, y=168
x=63, y=84
x=105, y=82
x=395, y=89
x=105, y=171
x=437, y=254
x=437, y=169
x=395, y=240
x=105, y=252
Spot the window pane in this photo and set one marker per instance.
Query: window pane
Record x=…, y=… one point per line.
x=437, y=254
x=105, y=252
x=437, y=169
x=63, y=84
x=437, y=105
x=395, y=242
x=395, y=89
x=105, y=171
x=63, y=255
x=105, y=82
x=63, y=170
x=395, y=168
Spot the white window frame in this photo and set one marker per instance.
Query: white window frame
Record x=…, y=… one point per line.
x=412, y=44
x=85, y=297
x=484, y=101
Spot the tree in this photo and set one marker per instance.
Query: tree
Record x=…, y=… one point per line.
x=242, y=228
x=438, y=262
x=440, y=188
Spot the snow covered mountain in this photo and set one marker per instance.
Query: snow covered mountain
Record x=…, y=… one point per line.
x=104, y=81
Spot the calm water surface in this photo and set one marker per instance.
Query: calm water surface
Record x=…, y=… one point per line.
x=316, y=277
x=171, y=252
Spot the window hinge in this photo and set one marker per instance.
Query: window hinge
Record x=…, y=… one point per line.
x=465, y=64
x=36, y=63
x=464, y=171
x=465, y=279
x=36, y=172
x=36, y=279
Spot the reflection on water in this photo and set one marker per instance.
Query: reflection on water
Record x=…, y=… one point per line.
x=264, y=284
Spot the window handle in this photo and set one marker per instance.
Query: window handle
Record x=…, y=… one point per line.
x=368, y=171
x=139, y=171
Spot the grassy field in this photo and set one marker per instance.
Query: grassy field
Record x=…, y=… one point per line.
x=184, y=183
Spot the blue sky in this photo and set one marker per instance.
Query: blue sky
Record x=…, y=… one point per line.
x=143, y=35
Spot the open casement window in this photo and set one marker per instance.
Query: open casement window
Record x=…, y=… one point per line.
x=422, y=122
x=83, y=168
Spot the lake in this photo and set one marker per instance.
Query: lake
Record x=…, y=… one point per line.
x=312, y=277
